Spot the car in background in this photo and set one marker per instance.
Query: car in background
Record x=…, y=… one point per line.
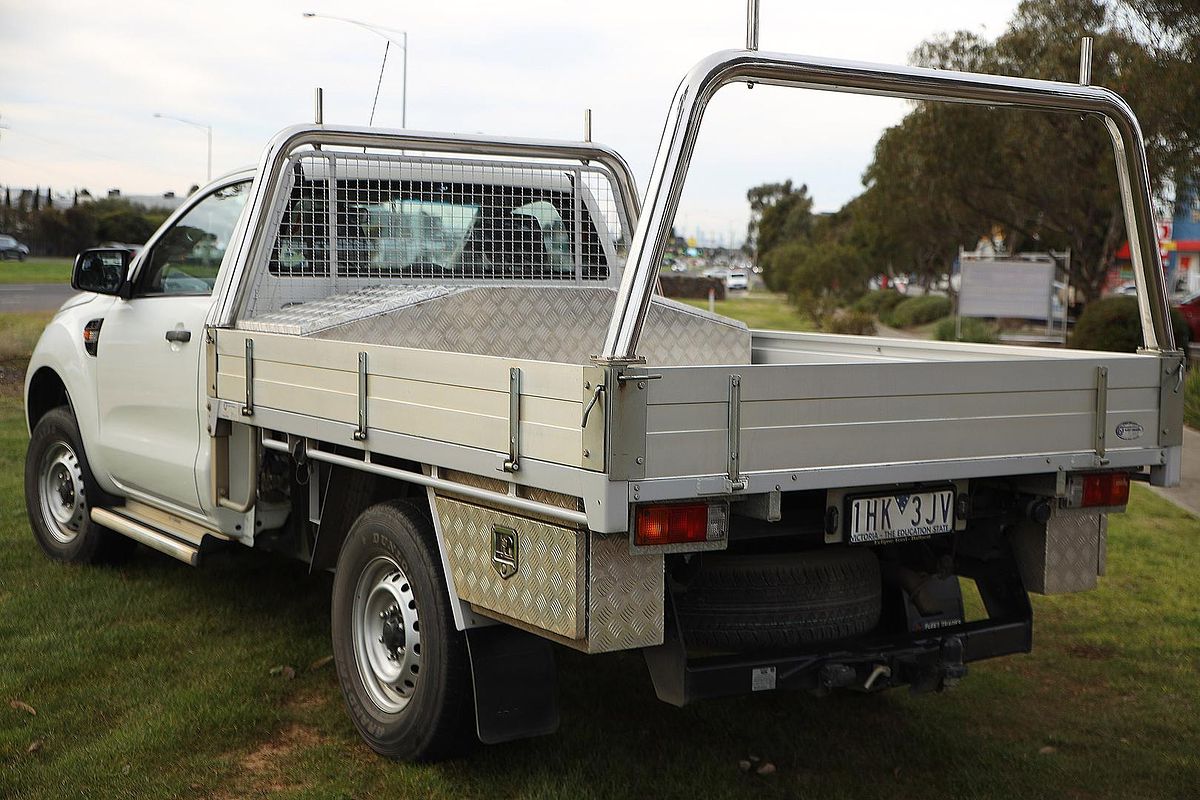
x=11, y=248
x=737, y=279
x=1189, y=307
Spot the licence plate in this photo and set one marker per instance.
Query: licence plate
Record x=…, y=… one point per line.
x=895, y=517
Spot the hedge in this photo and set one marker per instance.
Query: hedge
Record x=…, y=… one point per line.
x=879, y=301
x=973, y=330
x=917, y=311
x=1113, y=323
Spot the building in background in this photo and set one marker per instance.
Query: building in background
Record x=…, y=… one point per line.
x=1179, y=246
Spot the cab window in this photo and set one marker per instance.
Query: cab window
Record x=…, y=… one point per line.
x=186, y=258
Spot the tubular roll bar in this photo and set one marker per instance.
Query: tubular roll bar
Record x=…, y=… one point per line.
x=914, y=83
x=270, y=172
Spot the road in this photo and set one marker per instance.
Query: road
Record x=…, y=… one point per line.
x=33, y=296
x=1187, y=493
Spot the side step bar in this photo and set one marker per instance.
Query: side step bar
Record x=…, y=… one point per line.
x=158, y=540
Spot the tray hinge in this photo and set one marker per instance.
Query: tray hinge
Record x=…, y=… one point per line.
x=1101, y=412
x=734, y=429
x=360, y=433
x=513, y=462
x=248, y=408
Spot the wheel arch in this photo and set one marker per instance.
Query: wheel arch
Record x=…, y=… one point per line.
x=348, y=493
x=351, y=492
x=46, y=391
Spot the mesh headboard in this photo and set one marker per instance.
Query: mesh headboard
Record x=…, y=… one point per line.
x=346, y=221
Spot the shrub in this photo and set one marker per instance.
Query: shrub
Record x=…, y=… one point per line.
x=879, y=301
x=973, y=330
x=1113, y=323
x=859, y=323
x=917, y=311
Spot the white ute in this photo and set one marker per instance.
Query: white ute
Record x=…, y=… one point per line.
x=435, y=364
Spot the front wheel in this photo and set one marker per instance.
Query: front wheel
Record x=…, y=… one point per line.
x=58, y=492
x=403, y=667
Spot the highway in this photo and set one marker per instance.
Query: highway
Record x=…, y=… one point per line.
x=33, y=296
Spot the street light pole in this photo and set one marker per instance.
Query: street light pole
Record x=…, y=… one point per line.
x=207, y=129
x=378, y=30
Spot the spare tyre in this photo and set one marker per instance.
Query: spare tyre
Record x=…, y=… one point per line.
x=761, y=601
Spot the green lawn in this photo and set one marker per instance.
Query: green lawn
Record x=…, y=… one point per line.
x=19, y=332
x=156, y=680
x=760, y=310
x=36, y=270
x=1191, y=399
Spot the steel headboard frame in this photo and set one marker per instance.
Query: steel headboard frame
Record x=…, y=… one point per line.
x=914, y=83
x=254, y=226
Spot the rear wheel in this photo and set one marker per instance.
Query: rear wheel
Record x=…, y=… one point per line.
x=761, y=601
x=59, y=488
x=403, y=667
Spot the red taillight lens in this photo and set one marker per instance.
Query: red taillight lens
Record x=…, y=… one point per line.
x=1105, y=489
x=671, y=524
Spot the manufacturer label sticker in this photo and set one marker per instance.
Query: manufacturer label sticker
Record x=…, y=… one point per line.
x=1129, y=430
x=762, y=679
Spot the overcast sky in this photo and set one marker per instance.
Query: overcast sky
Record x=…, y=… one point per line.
x=80, y=82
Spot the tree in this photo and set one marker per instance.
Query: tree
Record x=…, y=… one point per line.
x=7, y=197
x=1044, y=180
x=778, y=214
x=37, y=198
x=49, y=198
x=1169, y=32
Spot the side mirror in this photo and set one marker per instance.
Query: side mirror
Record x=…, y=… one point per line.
x=102, y=270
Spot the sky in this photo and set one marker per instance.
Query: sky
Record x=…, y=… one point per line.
x=80, y=83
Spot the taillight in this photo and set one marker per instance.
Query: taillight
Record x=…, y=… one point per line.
x=1104, y=489
x=679, y=523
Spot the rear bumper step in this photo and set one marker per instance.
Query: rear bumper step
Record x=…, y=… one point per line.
x=139, y=532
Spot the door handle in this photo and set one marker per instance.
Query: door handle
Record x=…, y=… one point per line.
x=179, y=336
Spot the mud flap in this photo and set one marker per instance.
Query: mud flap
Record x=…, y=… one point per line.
x=516, y=684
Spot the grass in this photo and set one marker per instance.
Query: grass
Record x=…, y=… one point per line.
x=760, y=310
x=1191, y=398
x=157, y=680
x=36, y=270
x=19, y=332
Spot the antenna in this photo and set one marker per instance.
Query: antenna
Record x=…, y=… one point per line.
x=1085, y=61
x=319, y=106
x=587, y=124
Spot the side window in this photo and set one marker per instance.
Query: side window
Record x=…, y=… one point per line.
x=186, y=258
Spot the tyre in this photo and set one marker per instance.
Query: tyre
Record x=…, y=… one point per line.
x=58, y=489
x=404, y=669
x=764, y=601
